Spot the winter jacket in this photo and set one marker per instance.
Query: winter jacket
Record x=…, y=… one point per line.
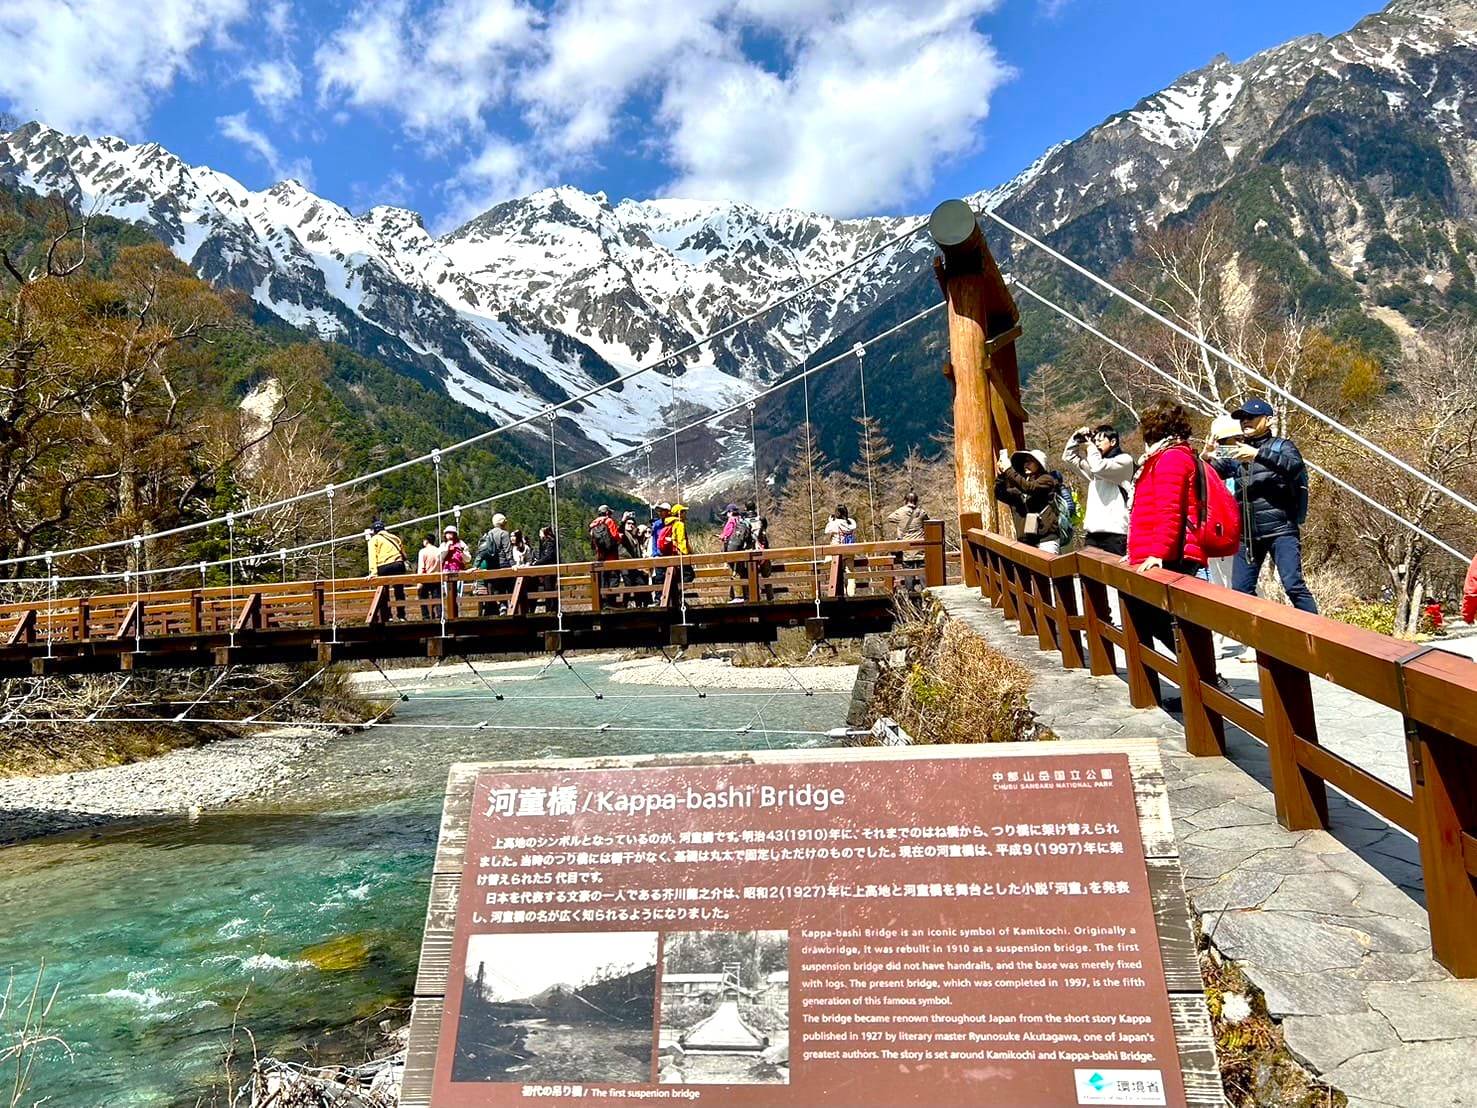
x=1163, y=500
x=1109, y=480
x=385, y=549
x=495, y=551
x=548, y=552
x=841, y=531
x=677, y=527
x=613, y=530
x=1025, y=496
x=657, y=526
x=908, y=523
x=1273, y=489
x=454, y=556
x=630, y=544
x=1469, y=593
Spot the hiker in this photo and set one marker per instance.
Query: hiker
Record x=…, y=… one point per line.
x=428, y=562
x=605, y=536
x=387, y=559
x=521, y=551
x=737, y=536
x=1165, y=501
x=547, y=555
x=659, y=514
x=1108, y=470
x=907, y=522
x=841, y=528
x=1029, y=489
x=1225, y=437
x=1272, y=486
x=1469, y=594
x=675, y=541
x=455, y=557
x=494, y=552
x=632, y=546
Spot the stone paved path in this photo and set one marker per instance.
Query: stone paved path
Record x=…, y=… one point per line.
x=1328, y=924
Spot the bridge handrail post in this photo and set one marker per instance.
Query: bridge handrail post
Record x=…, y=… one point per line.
x=1287, y=709
x=1205, y=730
x=935, y=569
x=968, y=555
x=1143, y=681
x=1099, y=616
x=1069, y=638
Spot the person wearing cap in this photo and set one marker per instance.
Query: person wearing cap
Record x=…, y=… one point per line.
x=907, y=523
x=1029, y=489
x=1272, y=487
x=605, y=535
x=1225, y=439
x=428, y=562
x=674, y=537
x=1108, y=470
x=387, y=558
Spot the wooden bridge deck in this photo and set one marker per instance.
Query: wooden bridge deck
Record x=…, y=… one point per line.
x=738, y=597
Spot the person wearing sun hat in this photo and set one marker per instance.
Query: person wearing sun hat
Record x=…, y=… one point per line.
x=1029, y=489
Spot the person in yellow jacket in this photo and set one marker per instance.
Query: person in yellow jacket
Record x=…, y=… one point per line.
x=387, y=559
x=675, y=535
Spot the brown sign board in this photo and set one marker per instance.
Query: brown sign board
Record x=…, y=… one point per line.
x=915, y=926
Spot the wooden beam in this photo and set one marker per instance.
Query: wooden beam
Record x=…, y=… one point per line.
x=518, y=600
x=1287, y=711
x=836, y=578
x=250, y=616
x=379, y=606
x=131, y=618
x=25, y=629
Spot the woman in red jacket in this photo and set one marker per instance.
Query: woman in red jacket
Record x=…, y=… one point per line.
x=1164, y=496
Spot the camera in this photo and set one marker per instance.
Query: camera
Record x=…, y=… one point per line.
x=1079, y=439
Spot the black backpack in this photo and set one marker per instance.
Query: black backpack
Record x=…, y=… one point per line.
x=740, y=538
x=601, y=538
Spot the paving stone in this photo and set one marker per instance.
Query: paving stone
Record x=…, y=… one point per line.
x=1287, y=942
x=1416, y=1075
x=1387, y=900
x=1306, y=994
x=1333, y=893
x=1230, y=814
x=1289, y=860
x=1381, y=965
x=1241, y=838
x=1393, y=936
x=1325, y=1041
x=1236, y=890
x=1427, y=1010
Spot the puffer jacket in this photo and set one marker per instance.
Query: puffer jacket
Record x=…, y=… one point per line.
x=1469, y=593
x=1109, y=480
x=1273, y=489
x=1163, y=500
x=1026, y=495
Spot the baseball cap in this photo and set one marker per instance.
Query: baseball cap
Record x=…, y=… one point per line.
x=732, y=508
x=604, y=509
x=1252, y=408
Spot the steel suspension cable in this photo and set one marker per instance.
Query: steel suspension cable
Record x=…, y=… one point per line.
x=522, y=421
x=861, y=370
x=1209, y=407
x=1291, y=398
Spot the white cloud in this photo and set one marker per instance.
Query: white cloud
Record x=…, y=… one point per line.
x=842, y=105
x=438, y=71
x=1053, y=8
x=237, y=129
x=100, y=64
x=274, y=84
x=499, y=172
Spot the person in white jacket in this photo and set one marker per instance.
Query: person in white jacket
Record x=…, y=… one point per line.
x=1108, y=470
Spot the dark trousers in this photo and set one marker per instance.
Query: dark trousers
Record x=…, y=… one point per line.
x=1287, y=556
x=1155, y=623
x=430, y=592
x=1109, y=542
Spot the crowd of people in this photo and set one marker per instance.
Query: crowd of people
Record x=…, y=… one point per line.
x=663, y=534
x=1217, y=507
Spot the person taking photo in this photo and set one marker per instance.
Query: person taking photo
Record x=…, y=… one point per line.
x=1108, y=470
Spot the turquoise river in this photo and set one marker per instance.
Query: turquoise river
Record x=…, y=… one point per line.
x=299, y=913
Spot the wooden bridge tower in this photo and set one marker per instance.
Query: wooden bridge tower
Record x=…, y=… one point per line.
x=983, y=326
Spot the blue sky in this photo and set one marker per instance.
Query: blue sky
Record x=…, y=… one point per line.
x=447, y=106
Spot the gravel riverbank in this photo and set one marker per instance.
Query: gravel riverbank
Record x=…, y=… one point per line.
x=716, y=673
x=207, y=776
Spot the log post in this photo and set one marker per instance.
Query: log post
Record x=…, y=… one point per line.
x=983, y=326
x=935, y=564
x=970, y=567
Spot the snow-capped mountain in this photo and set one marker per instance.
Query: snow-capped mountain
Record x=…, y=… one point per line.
x=535, y=301
x=1345, y=162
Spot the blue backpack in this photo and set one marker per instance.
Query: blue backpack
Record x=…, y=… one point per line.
x=1066, y=510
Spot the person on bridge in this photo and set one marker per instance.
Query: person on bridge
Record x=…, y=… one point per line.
x=521, y=551
x=632, y=546
x=841, y=527
x=428, y=562
x=1108, y=470
x=675, y=541
x=1030, y=490
x=907, y=523
x=1272, y=484
x=495, y=551
x=387, y=559
x=548, y=555
x=737, y=537
x=605, y=536
x=455, y=557
x=1164, y=502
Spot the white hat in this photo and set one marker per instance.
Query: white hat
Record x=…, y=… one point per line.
x=1018, y=459
x=450, y=529
x=1225, y=427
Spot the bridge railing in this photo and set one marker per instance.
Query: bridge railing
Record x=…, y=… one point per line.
x=770, y=576
x=1063, y=601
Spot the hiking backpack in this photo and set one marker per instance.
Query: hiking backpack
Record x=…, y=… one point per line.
x=740, y=538
x=1219, y=525
x=600, y=537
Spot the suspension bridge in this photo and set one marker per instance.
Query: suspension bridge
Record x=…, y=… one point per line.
x=97, y=621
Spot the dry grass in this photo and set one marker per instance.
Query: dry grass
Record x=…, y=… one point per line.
x=955, y=687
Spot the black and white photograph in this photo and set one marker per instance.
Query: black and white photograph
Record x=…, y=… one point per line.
x=574, y=1006
x=725, y=1014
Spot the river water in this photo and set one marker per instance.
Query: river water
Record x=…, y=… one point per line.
x=299, y=913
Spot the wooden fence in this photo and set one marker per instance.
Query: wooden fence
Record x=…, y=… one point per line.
x=1062, y=600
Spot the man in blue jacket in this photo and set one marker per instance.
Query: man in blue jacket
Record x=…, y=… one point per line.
x=1272, y=485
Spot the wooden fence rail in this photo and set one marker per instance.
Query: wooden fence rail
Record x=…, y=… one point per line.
x=1434, y=691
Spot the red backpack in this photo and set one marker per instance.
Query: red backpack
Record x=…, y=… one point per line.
x=1219, y=525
